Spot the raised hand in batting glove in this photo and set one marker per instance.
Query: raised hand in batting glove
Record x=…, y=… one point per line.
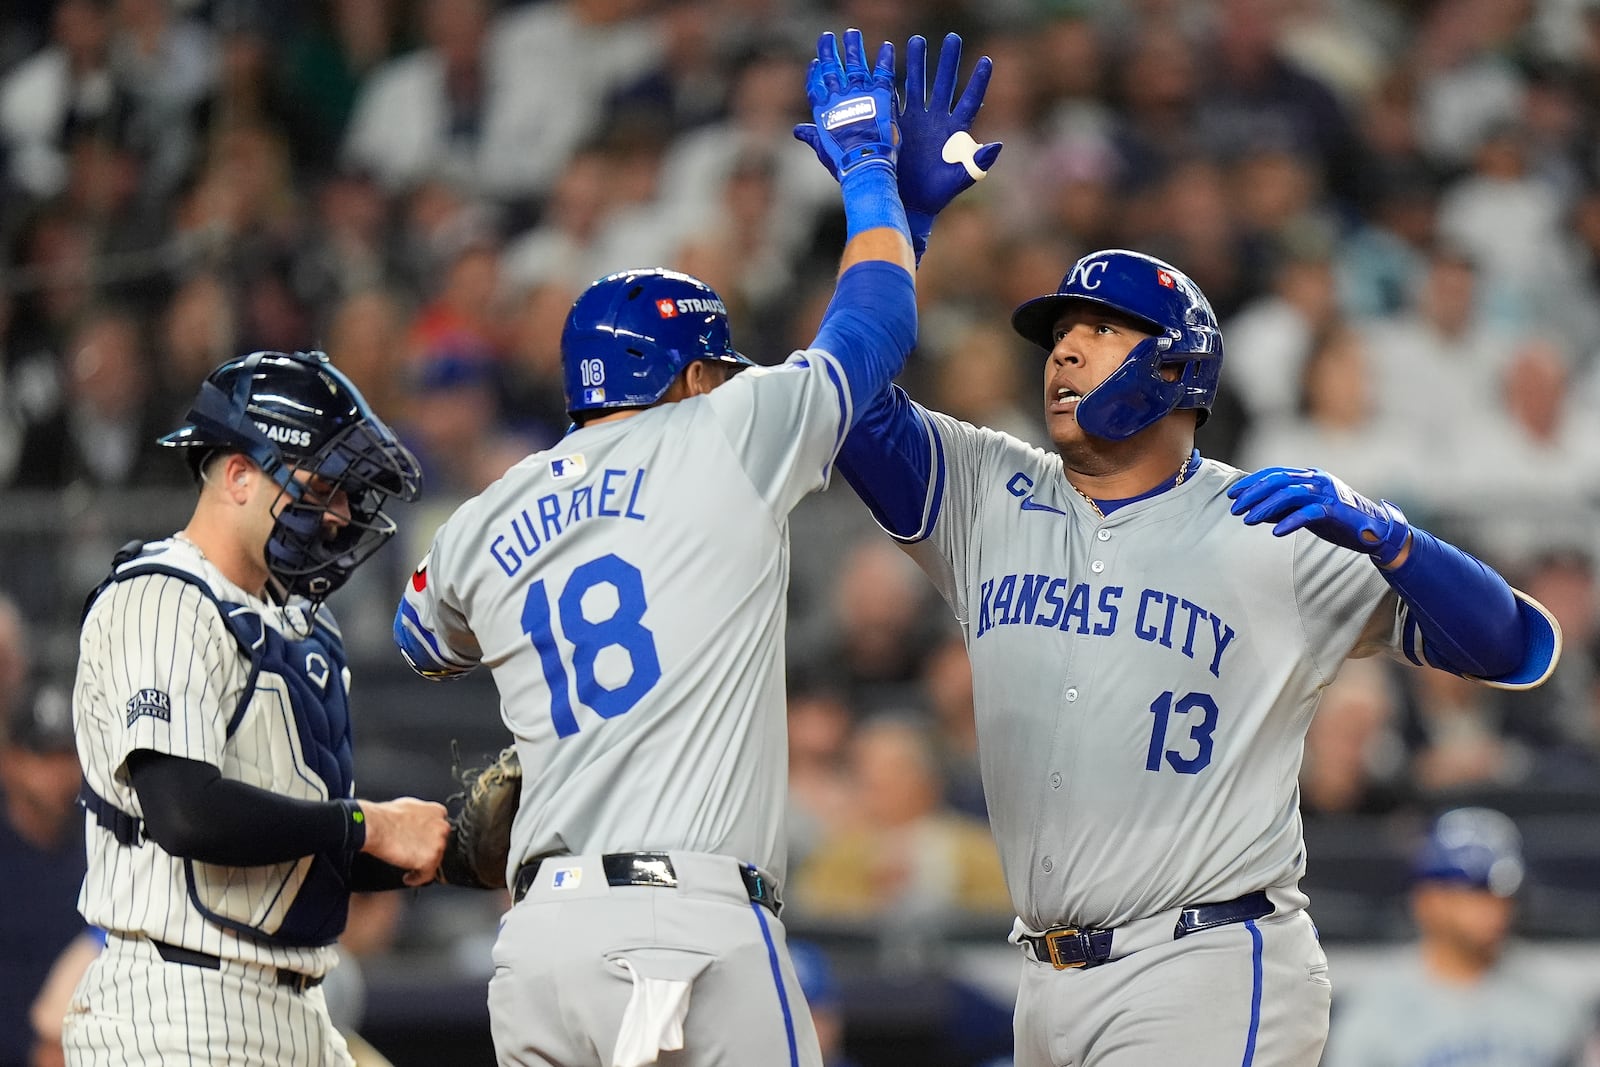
x=853, y=107
x=938, y=156
x=1306, y=498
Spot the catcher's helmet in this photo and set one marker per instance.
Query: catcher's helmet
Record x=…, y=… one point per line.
x=1478, y=847
x=628, y=336
x=1136, y=396
x=291, y=411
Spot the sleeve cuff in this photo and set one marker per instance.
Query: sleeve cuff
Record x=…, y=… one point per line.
x=1541, y=647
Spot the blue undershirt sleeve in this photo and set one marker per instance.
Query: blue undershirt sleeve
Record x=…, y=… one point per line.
x=870, y=327
x=1468, y=617
x=887, y=459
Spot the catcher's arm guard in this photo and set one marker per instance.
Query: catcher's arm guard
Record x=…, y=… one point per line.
x=479, y=845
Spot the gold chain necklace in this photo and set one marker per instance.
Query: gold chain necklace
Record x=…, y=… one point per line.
x=1183, y=472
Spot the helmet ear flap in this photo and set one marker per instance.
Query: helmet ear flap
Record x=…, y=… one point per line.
x=1134, y=397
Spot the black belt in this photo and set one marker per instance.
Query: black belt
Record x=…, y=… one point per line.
x=1069, y=947
x=189, y=957
x=650, y=868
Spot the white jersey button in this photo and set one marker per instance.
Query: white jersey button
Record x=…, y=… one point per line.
x=1048, y=865
x=1097, y=566
x=1072, y=694
x=1055, y=780
x=1104, y=535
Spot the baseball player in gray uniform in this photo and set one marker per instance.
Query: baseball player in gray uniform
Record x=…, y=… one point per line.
x=212, y=716
x=627, y=590
x=1458, y=1000
x=1149, y=633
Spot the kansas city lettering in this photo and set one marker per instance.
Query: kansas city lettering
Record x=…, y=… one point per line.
x=1162, y=618
x=614, y=495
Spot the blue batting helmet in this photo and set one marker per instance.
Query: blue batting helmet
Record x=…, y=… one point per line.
x=1171, y=305
x=628, y=336
x=1477, y=847
x=291, y=411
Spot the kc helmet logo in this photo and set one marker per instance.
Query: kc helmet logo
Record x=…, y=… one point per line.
x=1087, y=275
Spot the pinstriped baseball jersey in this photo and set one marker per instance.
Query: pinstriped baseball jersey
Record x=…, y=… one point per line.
x=159, y=669
x=1141, y=717
x=627, y=590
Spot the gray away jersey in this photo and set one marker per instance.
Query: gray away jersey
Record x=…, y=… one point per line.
x=1143, y=682
x=627, y=589
x=159, y=670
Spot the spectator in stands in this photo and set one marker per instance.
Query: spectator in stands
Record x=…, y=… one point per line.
x=1273, y=336
x=1336, y=423
x=1458, y=997
x=947, y=688
x=1441, y=365
x=452, y=415
x=41, y=852
x=198, y=330
x=65, y=87
x=103, y=434
x=1562, y=717
x=1458, y=738
x=167, y=66
x=767, y=96
x=911, y=858
x=332, y=54
x=977, y=375
x=881, y=628
x=1541, y=443
x=821, y=799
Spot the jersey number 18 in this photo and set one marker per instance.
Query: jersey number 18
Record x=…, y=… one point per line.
x=624, y=629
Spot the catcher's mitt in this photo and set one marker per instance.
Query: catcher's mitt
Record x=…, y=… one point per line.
x=480, y=823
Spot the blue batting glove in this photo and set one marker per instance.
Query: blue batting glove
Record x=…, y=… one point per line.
x=853, y=107
x=938, y=157
x=1306, y=498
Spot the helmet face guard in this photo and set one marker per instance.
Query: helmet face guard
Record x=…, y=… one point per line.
x=630, y=334
x=294, y=412
x=1170, y=305
x=368, y=465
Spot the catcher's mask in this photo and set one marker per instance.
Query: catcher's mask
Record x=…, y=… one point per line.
x=293, y=411
x=630, y=334
x=1171, y=306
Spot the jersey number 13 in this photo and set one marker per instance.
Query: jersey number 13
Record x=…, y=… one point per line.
x=624, y=629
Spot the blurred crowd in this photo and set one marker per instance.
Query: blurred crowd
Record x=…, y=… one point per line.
x=1394, y=206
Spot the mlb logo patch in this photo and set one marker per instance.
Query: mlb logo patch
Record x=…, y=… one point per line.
x=1166, y=280
x=151, y=702
x=566, y=878
x=594, y=396
x=667, y=308
x=564, y=467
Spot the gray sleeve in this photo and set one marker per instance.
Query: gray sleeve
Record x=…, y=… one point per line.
x=1346, y=608
x=785, y=424
x=962, y=455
